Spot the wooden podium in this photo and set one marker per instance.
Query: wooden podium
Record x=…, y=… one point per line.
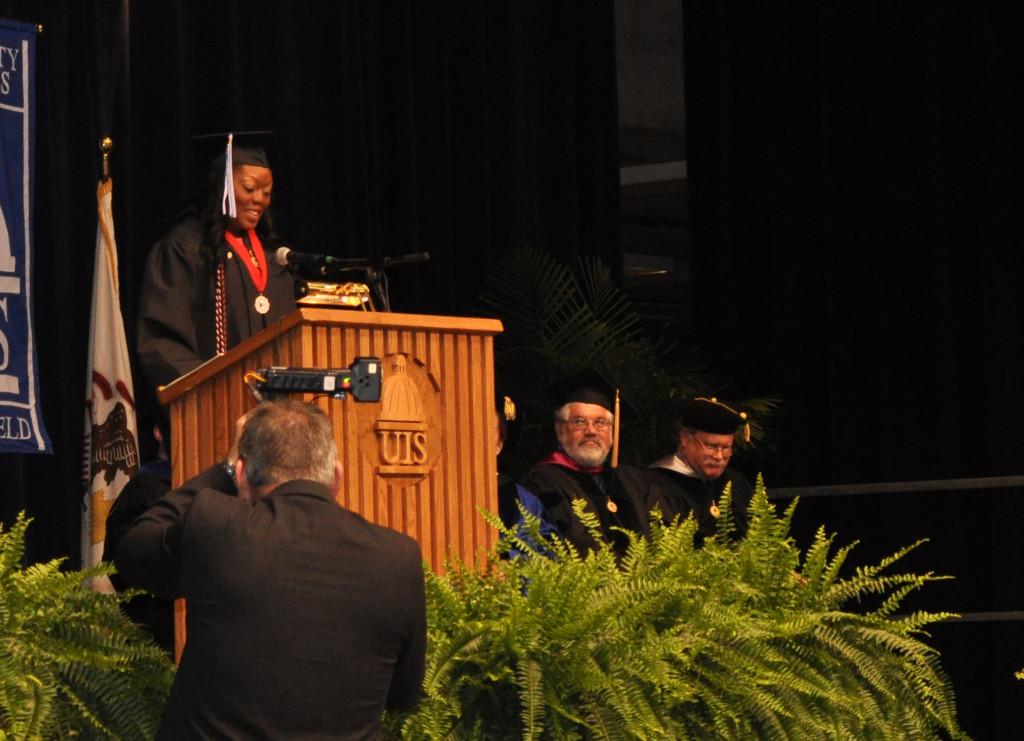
x=420, y=461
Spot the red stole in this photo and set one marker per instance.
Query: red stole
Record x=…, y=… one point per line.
x=561, y=459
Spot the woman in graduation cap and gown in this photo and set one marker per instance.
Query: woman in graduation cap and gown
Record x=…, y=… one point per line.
x=211, y=281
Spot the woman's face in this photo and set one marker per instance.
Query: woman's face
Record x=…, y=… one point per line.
x=253, y=185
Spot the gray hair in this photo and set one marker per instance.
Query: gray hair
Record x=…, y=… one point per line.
x=562, y=413
x=286, y=440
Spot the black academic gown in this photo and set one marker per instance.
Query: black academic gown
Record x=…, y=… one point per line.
x=176, y=325
x=304, y=620
x=557, y=486
x=679, y=493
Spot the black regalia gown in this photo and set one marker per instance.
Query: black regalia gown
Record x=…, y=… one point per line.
x=678, y=491
x=617, y=496
x=177, y=324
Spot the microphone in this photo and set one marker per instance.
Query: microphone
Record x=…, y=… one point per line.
x=288, y=256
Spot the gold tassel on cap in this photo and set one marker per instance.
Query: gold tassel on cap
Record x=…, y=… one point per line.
x=612, y=506
x=615, y=435
x=509, y=410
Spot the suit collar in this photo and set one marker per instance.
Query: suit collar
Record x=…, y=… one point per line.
x=302, y=486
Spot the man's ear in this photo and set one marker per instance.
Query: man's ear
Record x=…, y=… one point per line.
x=242, y=481
x=338, y=474
x=680, y=443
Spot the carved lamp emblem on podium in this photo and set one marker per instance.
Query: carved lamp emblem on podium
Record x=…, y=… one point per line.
x=401, y=427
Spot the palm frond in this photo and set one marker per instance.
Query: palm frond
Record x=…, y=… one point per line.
x=562, y=318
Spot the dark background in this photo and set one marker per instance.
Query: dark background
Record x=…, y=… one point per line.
x=854, y=193
x=853, y=189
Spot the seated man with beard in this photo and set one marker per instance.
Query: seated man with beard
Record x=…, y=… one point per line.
x=578, y=468
x=693, y=478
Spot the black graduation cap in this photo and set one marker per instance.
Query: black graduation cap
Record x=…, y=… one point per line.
x=258, y=148
x=586, y=386
x=230, y=149
x=711, y=415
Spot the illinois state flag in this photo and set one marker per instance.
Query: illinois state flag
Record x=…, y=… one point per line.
x=111, y=440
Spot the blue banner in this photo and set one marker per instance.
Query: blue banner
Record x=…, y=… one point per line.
x=21, y=425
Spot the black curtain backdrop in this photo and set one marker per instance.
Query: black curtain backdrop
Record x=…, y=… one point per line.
x=855, y=188
x=855, y=191
x=854, y=178
x=463, y=129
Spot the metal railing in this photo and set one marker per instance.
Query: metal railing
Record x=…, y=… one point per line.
x=915, y=487
x=896, y=487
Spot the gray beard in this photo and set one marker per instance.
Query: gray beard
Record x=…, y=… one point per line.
x=588, y=457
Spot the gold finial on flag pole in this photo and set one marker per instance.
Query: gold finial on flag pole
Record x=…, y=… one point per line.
x=106, y=144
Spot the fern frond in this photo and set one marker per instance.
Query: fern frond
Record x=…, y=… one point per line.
x=733, y=640
x=71, y=663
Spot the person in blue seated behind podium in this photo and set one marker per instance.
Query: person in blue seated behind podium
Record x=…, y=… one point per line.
x=515, y=502
x=211, y=281
x=303, y=619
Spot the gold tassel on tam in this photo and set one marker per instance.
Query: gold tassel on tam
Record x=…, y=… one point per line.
x=615, y=433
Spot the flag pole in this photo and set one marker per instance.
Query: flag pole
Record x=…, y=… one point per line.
x=111, y=437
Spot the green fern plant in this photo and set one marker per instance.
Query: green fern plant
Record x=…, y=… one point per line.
x=560, y=318
x=71, y=663
x=734, y=640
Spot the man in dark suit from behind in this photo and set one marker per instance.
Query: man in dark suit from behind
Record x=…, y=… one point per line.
x=304, y=620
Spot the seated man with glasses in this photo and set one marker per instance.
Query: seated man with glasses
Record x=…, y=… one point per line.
x=693, y=478
x=579, y=468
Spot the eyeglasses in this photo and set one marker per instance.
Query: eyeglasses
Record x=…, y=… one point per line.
x=721, y=449
x=601, y=424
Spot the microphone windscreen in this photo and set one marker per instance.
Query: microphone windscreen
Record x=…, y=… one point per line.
x=281, y=255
